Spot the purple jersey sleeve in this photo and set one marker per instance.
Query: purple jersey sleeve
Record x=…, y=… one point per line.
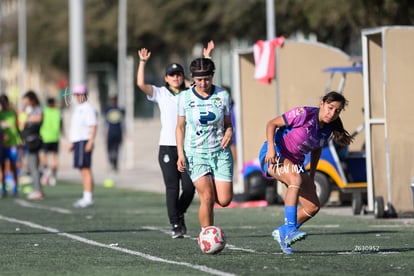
x=295, y=117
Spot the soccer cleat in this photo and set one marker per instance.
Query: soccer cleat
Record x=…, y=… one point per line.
x=81, y=203
x=184, y=229
x=177, y=231
x=182, y=224
x=294, y=236
x=279, y=236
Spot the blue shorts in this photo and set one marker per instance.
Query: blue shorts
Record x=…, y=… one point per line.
x=10, y=153
x=280, y=159
x=218, y=164
x=82, y=159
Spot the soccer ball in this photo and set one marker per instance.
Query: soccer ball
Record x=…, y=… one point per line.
x=211, y=240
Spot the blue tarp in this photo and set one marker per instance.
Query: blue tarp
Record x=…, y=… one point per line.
x=348, y=69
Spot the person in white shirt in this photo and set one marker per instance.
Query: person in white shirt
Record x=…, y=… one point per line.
x=82, y=136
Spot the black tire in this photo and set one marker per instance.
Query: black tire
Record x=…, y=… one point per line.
x=271, y=196
x=356, y=203
x=323, y=187
x=379, y=207
x=256, y=185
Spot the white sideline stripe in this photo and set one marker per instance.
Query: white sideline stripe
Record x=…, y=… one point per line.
x=321, y=226
x=123, y=250
x=389, y=225
x=228, y=246
x=25, y=203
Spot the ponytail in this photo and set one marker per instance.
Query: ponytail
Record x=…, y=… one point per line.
x=339, y=134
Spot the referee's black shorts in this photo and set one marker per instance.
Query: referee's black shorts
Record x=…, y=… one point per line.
x=50, y=147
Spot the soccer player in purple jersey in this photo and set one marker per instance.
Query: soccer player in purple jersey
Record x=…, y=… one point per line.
x=290, y=137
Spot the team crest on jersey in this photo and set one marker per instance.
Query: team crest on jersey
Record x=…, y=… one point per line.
x=300, y=111
x=218, y=102
x=114, y=116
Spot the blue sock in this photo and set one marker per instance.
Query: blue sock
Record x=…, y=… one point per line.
x=15, y=189
x=298, y=225
x=290, y=216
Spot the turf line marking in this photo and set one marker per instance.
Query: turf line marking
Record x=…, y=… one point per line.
x=387, y=226
x=123, y=250
x=28, y=204
x=228, y=246
x=321, y=226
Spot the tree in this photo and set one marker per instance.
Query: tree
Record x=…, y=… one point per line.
x=174, y=27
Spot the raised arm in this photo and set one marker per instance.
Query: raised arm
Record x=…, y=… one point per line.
x=207, y=51
x=144, y=55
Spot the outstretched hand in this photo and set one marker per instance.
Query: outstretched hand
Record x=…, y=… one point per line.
x=207, y=51
x=144, y=54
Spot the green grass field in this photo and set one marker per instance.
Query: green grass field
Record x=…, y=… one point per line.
x=127, y=233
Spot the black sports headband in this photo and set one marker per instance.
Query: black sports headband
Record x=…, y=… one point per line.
x=202, y=73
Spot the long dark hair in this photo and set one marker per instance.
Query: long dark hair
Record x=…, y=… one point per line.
x=31, y=95
x=339, y=134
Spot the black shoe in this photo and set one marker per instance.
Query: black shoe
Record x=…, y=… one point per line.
x=182, y=224
x=177, y=231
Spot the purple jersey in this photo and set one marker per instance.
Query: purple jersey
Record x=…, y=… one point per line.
x=301, y=134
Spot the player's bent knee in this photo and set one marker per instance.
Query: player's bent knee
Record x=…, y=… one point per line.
x=224, y=202
x=314, y=209
x=311, y=210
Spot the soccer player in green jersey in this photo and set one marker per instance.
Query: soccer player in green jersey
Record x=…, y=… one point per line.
x=11, y=140
x=204, y=135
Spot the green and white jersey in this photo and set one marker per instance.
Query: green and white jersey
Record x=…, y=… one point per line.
x=204, y=128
